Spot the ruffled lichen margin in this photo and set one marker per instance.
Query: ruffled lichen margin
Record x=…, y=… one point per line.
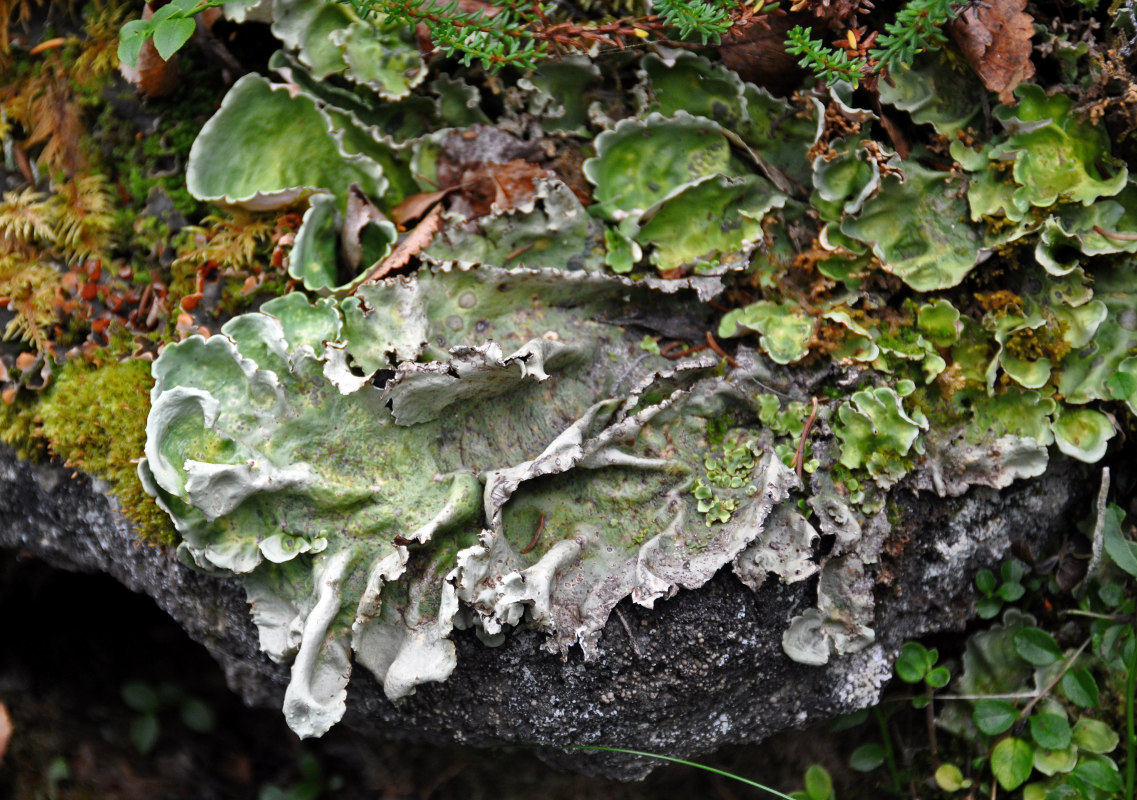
x=484, y=444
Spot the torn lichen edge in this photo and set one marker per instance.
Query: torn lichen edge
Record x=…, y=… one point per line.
x=355, y=525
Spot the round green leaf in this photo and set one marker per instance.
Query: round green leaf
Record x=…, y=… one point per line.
x=1050, y=731
x=1012, y=570
x=912, y=663
x=993, y=717
x=1036, y=646
x=1093, y=736
x=171, y=34
x=1112, y=594
x=985, y=581
x=818, y=784
x=140, y=696
x=1099, y=773
x=950, y=778
x=988, y=607
x=130, y=40
x=197, y=716
x=1052, y=762
x=938, y=677
x=1117, y=546
x=144, y=733
x=867, y=757
x=1011, y=592
x=1080, y=688
x=1011, y=762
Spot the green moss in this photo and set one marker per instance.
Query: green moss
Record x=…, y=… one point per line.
x=19, y=427
x=95, y=419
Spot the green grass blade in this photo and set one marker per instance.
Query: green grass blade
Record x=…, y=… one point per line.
x=704, y=767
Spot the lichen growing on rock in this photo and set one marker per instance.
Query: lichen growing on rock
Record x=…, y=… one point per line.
x=480, y=489
x=491, y=441
x=539, y=422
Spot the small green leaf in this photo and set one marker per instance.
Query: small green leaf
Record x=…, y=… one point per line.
x=140, y=696
x=1011, y=762
x=130, y=40
x=985, y=581
x=1100, y=773
x=144, y=733
x=1121, y=385
x=1112, y=594
x=988, y=607
x=1080, y=688
x=1050, y=731
x=197, y=716
x=171, y=34
x=1094, y=736
x=1036, y=646
x=1052, y=762
x=846, y=721
x=1012, y=570
x=938, y=677
x=912, y=663
x=867, y=757
x=993, y=717
x=1011, y=592
x=950, y=778
x=818, y=784
x=1120, y=549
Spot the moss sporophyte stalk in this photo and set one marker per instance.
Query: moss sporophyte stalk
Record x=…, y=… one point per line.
x=526, y=371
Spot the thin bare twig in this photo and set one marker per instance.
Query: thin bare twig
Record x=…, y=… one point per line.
x=711, y=343
x=1046, y=689
x=799, y=454
x=536, y=536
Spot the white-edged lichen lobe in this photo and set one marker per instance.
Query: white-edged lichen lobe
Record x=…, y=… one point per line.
x=498, y=440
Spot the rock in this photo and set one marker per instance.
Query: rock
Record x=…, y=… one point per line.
x=701, y=670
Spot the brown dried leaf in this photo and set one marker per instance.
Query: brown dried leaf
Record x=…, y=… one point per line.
x=490, y=187
x=418, y=204
x=411, y=245
x=995, y=39
x=359, y=214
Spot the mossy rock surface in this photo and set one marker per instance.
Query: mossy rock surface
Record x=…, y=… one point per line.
x=701, y=670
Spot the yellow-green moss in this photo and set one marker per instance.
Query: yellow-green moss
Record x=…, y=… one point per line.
x=95, y=419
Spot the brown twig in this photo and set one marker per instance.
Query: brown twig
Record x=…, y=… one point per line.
x=799, y=454
x=1125, y=237
x=711, y=343
x=683, y=353
x=536, y=536
x=1054, y=682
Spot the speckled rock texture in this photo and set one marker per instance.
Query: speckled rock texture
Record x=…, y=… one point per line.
x=701, y=670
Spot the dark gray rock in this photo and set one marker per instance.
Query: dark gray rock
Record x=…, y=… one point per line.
x=701, y=670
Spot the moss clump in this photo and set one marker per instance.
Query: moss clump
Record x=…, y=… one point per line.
x=19, y=427
x=95, y=419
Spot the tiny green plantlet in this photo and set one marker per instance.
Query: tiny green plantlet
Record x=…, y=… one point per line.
x=917, y=665
x=170, y=27
x=818, y=785
x=150, y=702
x=996, y=592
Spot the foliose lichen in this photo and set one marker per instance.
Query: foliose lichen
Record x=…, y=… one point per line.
x=490, y=441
